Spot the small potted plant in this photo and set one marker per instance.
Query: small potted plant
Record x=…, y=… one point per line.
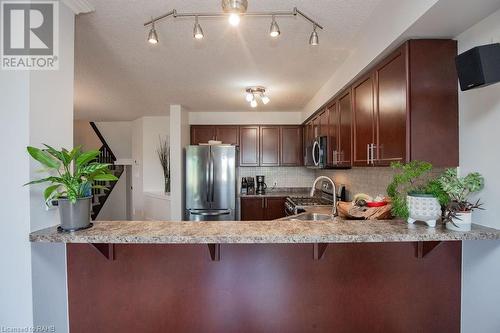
x=458, y=212
x=415, y=194
x=71, y=184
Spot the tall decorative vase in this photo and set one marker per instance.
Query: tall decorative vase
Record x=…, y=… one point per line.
x=167, y=184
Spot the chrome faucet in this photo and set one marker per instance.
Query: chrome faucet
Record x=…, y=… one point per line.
x=313, y=189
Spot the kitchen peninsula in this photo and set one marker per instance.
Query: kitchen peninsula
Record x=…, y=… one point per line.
x=264, y=276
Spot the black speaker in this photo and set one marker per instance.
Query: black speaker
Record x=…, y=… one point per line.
x=479, y=66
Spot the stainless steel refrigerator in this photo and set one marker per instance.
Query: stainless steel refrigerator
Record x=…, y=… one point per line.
x=211, y=183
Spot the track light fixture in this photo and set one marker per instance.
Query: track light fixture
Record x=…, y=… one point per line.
x=314, y=39
x=153, y=36
x=234, y=10
x=252, y=93
x=197, y=30
x=274, y=31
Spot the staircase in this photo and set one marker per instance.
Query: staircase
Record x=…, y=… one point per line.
x=106, y=156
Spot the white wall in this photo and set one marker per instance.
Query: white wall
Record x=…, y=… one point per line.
x=36, y=107
x=51, y=121
x=15, y=258
x=179, y=139
x=137, y=169
x=382, y=30
x=153, y=128
x=115, y=207
x=245, y=118
x=118, y=135
x=147, y=173
x=479, y=136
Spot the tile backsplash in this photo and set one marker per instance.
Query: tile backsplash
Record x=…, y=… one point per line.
x=372, y=181
x=284, y=176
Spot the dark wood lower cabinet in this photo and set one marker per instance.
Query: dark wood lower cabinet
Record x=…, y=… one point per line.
x=274, y=208
x=262, y=208
x=252, y=209
x=262, y=288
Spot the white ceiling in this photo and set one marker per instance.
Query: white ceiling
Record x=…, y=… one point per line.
x=119, y=76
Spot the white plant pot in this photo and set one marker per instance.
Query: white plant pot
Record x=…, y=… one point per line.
x=462, y=222
x=423, y=207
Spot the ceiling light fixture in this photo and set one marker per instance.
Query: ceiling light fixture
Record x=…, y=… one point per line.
x=153, y=36
x=253, y=92
x=314, y=39
x=197, y=30
x=234, y=9
x=274, y=31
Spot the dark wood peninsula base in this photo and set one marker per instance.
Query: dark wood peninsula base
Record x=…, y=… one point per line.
x=357, y=287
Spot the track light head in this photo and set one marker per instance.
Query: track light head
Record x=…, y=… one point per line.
x=274, y=31
x=234, y=19
x=314, y=39
x=153, y=36
x=197, y=30
x=249, y=97
x=265, y=99
x=253, y=103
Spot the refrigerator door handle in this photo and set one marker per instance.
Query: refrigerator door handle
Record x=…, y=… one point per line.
x=212, y=181
x=212, y=213
x=207, y=174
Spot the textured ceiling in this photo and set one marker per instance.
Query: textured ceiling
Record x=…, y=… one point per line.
x=119, y=76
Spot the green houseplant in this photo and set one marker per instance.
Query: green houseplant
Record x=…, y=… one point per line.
x=458, y=212
x=415, y=194
x=73, y=175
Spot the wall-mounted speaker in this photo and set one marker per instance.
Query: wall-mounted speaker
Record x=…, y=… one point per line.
x=479, y=66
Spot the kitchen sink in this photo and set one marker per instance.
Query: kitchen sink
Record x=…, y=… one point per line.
x=312, y=217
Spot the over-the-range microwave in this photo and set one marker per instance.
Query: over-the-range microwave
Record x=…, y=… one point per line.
x=316, y=155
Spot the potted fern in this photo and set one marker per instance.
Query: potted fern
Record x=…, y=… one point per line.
x=415, y=194
x=458, y=213
x=71, y=183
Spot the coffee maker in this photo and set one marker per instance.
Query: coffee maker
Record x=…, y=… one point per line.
x=261, y=185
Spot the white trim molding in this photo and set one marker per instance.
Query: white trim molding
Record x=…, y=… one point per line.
x=79, y=6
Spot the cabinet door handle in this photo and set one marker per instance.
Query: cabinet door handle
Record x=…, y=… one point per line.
x=368, y=158
x=263, y=203
x=373, y=153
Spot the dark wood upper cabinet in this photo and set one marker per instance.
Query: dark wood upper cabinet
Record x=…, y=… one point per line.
x=202, y=134
x=323, y=123
x=433, y=103
x=316, y=125
x=270, y=146
x=333, y=134
x=391, y=109
x=249, y=145
x=344, y=156
x=363, y=122
x=404, y=109
x=291, y=146
x=228, y=134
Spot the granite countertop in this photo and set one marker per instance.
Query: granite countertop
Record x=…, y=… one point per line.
x=258, y=232
x=281, y=192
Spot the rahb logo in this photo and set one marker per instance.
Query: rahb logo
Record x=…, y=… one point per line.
x=30, y=35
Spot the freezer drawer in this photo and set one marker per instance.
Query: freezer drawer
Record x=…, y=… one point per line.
x=210, y=215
